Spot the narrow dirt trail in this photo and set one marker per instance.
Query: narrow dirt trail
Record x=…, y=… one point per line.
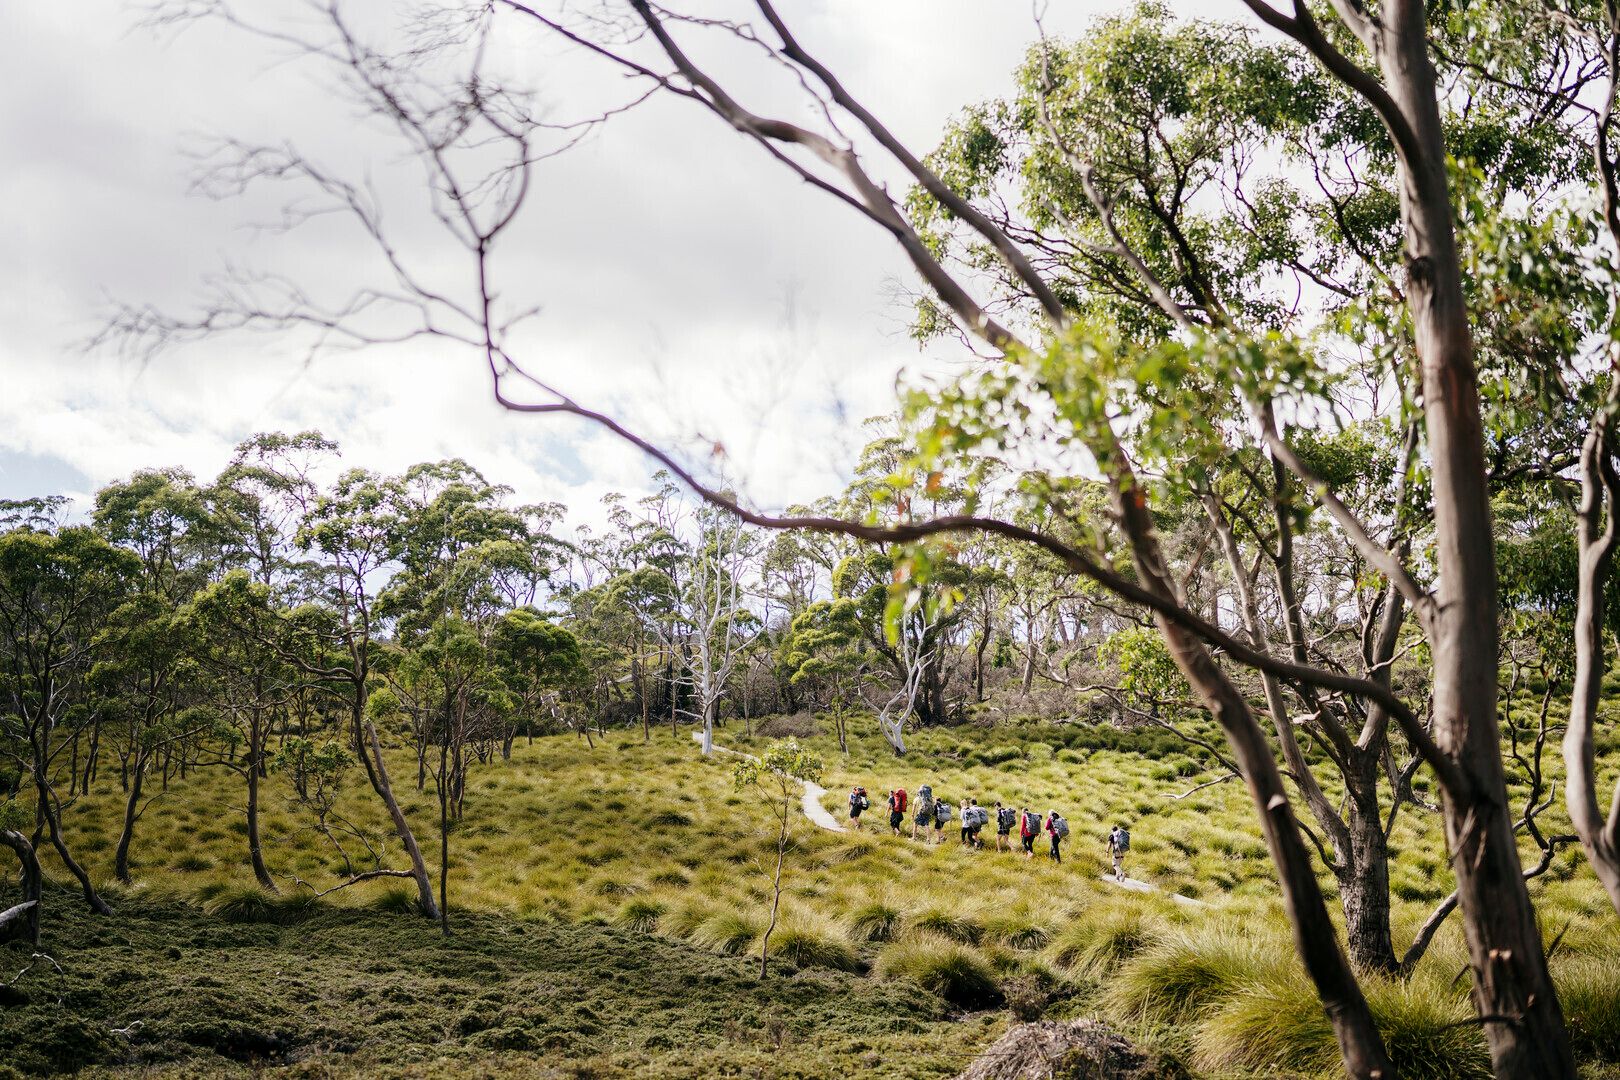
x=810, y=803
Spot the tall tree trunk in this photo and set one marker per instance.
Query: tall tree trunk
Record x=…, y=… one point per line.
x=1364, y=882
x=261, y=873
x=1513, y=992
x=377, y=771
x=137, y=774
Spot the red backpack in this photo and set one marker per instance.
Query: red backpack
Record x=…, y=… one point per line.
x=898, y=800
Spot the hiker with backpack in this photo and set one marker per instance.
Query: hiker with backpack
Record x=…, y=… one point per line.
x=967, y=823
x=974, y=818
x=925, y=811
x=942, y=813
x=1006, y=818
x=1029, y=827
x=1059, y=830
x=1119, y=842
x=857, y=802
x=897, y=809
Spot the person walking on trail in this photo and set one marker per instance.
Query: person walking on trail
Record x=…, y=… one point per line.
x=1006, y=818
x=897, y=809
x=942, y=814
x=980, y=817
x=1119, y=842
x=857, y=802
x=967, y=823
x=1058, y=829
x=1029, y=827
x=925, y=811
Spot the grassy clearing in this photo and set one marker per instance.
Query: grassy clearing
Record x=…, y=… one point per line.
x=648, y=845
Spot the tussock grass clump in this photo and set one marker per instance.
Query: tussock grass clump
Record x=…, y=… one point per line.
x=810, y=942
x=398, y=900
x=877, y=921
x=1103, y=937
x=728, y=932
x=1279, y=1025
x=251, y=904
x=1589, y=988
x=956, y=972
x=1018, y=932
x=951, y=925
x=1191, y=970
x=641, y=914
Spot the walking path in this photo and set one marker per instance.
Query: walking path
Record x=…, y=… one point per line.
x=820, y=816
x=811, y=801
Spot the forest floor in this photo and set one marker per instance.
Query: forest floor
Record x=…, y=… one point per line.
x=608, y=903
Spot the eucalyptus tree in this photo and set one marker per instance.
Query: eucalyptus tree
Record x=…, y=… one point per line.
x=57, y=590
x=241, y=636
x=721, y=627
x=150, y=676
x=352, y=528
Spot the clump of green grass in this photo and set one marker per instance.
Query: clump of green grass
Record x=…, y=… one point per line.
x=1279, y=1026
x=1189, y=971
x=956, y=972
x=641, y=914
x=877, y=921
x=1589, y=989
x=950, y=925
x=1103, y=937
x=728, y=932
x=398, y=900
x=809, y=942
x=1018, y=932
x=250, y=904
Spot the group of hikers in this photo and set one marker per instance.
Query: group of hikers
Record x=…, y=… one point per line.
x=928, y=811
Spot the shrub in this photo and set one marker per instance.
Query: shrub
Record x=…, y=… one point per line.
x=876, y=921
x=956, y=972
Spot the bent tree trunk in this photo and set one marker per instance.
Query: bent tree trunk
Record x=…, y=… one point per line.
x=255, y=846
x=22, y=921
x=380, y=783
x=132, y=811
x=52, y=816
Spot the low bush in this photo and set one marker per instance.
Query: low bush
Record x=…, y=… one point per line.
x=813, y=943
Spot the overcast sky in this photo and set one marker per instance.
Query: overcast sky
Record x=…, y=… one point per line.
x=686, y=282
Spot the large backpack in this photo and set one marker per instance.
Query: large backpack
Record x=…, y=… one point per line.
x=1060, y=827
x=900, y=800
x=1032, y=823
x=942, y=812
x=1006, y=818
x=925, y=793
x=1122, y=840
x=981, y=816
